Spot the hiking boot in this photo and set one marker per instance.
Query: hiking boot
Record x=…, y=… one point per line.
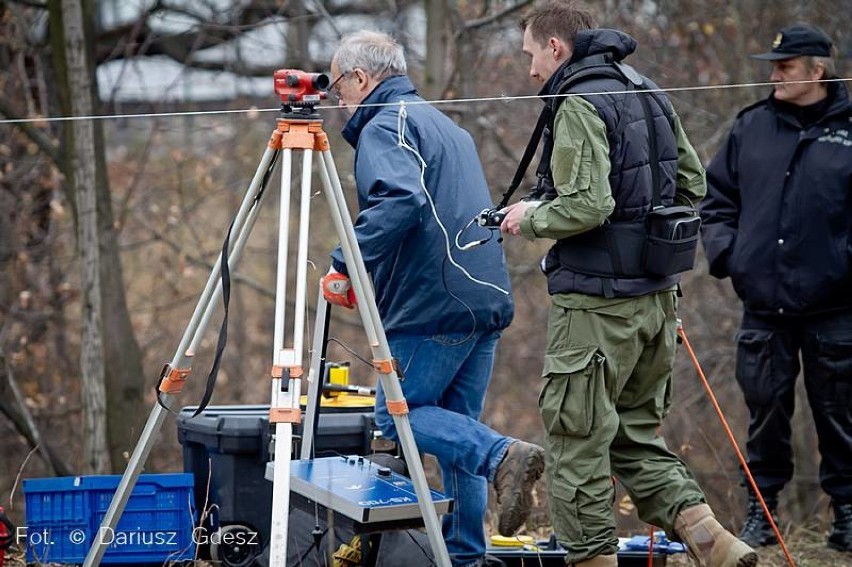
x=756, y=530
x=599, y=561
x=520, y=469
x=841, y=531
x=708, y=543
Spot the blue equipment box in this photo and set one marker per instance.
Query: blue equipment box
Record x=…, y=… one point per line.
x=63, y=517
x=363, y=491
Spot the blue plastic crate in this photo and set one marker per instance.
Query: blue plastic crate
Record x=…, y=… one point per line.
x=63, y=516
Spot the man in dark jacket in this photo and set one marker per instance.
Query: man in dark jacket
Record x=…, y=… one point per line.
x=778, y=221
x=419, y=183
x=612, y=325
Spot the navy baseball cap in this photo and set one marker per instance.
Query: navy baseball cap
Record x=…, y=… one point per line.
x=797, y=40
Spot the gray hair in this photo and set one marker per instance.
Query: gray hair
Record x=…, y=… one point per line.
x=376, y=53
x=829, y=69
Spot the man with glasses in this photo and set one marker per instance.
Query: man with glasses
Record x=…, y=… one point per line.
x=419, y=183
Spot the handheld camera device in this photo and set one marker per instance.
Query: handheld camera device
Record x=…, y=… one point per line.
x=490, y=218
x=298, y=88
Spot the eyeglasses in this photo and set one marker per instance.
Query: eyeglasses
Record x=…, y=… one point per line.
x=334, y=88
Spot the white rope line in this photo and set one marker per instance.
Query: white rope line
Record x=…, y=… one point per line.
x=501, y=98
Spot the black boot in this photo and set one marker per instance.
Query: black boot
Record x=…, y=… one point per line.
x=757, y=531
x=841, y=532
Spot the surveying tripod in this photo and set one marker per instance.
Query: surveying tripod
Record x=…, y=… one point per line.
x=295, y=132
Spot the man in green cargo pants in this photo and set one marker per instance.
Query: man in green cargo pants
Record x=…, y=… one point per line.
x=612, y=326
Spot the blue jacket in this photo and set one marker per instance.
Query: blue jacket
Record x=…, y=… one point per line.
x=418, y=289
x=778, y=213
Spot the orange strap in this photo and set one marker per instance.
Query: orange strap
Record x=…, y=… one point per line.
x=397, y=407
x=294, y=371
x=387, y=366
x=285, y=415
x=173, y=379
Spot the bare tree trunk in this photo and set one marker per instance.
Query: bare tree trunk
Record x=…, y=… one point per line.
x=95, y=452
x=435, y=78
x=124, y=376
x=298, y=30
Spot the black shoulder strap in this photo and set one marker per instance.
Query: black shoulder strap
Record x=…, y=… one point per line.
x=600, y=65
x=546, y=117
x=636, y=79
x=586, y=67
x=668, y=112
x=653, y=151
x=529, y=152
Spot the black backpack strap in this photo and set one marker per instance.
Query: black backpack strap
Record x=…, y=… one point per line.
x=653, y=152
x=636, y=79
x=667, y=111
x=545, y=119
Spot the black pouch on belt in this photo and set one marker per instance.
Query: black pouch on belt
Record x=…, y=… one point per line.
x=671, y=241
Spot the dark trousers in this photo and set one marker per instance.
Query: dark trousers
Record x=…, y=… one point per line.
x=768, y=363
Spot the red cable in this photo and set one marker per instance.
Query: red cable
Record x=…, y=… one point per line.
x=733, y=440
x=651, y=548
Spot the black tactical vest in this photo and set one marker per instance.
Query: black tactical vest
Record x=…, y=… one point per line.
x=607, y=260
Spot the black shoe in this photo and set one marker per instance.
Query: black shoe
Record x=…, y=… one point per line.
x=841, y=532
x=757, y=531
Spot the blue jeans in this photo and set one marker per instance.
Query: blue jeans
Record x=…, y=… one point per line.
x=445, y=379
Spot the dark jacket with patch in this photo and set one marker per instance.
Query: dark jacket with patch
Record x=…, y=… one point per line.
x=778, y=214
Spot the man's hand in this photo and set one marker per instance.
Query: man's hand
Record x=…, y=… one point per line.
x=514, y=213
x=337, y=289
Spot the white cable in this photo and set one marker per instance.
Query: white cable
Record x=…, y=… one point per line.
x=504, y=98
x=472, y=243
x=400, y=130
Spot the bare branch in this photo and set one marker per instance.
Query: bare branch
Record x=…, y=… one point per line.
x=31, y=3
x=482, y=22
x=161, y=236
x=39, y=138
x=19, y=475
x=12, y=406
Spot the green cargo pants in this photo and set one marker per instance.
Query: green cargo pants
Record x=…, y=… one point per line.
x=607, y=386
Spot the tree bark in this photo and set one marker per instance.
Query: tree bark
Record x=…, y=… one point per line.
x=95, y=452
x=435, y=77
x=124, y=376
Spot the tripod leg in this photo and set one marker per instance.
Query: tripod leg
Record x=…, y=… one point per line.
x=287, y=362
x=316, y=377
x=381, y=352
x=283, y=252
x=242, y=225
